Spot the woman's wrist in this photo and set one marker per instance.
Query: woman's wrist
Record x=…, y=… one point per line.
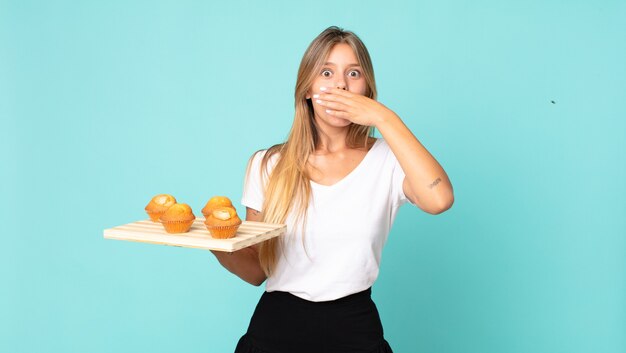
x=386, y=119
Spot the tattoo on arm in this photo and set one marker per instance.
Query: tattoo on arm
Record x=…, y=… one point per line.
x=434, y=183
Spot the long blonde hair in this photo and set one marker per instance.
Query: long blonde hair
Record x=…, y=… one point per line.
x=288, y=186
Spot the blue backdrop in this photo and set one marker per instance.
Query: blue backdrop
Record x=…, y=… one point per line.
x=104, y=104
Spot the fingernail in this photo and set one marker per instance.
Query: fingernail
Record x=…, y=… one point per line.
x=316, y=96
x=319, y=101
x=322, y=88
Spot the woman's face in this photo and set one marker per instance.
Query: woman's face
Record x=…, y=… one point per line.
x=341, y=70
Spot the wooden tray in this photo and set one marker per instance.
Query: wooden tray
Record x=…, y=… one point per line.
x=249, y=233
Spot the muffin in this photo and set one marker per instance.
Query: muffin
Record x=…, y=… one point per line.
x=223, y=222
x=178, y=218
x=215, y=202
x=158, y=205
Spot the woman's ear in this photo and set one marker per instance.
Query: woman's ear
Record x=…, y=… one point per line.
x=308, y=94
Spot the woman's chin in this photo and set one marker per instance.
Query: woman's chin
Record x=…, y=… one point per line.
x=338, y=122
x=332, y=121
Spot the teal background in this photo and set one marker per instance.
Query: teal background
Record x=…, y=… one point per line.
x=104, y=104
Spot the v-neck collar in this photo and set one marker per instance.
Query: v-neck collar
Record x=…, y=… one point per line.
x=352, y=172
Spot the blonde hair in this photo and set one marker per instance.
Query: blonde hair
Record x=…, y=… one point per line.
x=288, y=186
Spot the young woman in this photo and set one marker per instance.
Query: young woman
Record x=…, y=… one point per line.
x=338, y=190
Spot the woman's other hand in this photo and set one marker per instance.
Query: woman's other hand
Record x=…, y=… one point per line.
x=356, y=108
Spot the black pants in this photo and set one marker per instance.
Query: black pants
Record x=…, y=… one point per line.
x=284, y=323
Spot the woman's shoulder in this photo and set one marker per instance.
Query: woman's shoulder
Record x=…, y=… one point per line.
x=379, y=145
x=270, y=152
x=265, y=157
x=381, y=151
x=381, y=142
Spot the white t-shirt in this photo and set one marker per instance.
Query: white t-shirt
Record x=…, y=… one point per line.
x=347, y=225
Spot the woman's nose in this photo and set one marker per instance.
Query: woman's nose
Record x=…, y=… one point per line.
x=341, y=85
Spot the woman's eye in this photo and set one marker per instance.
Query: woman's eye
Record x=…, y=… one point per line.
x=327, y=73
x=354, y=74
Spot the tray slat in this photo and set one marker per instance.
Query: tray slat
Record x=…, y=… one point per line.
x=146, y=231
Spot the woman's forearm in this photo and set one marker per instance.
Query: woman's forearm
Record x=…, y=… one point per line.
x=426, y=183
x=244, y=263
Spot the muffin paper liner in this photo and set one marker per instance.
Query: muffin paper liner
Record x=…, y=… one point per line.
x=154, y=216
x=223, y=232
x=177, y=226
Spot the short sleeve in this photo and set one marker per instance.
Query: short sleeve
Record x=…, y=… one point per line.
x=397, y=181
x=253, y=187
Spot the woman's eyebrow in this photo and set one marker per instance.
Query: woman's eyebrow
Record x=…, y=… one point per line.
x=333, y=64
